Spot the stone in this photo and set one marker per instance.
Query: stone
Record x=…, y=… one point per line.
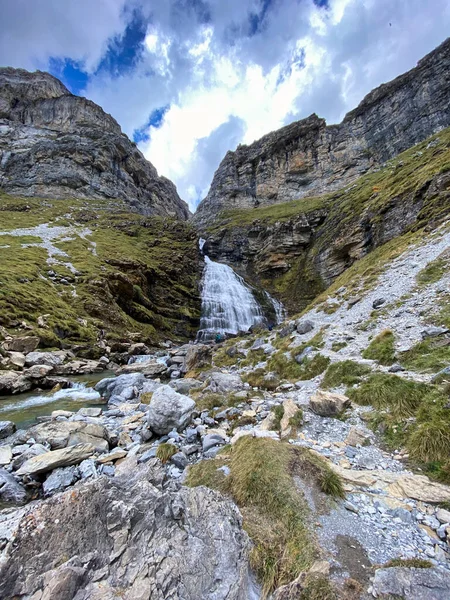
x=114, y=386
x=211, y=440
x=443, y=516
x=5, y=455
x=90, y=411
x=378, y=302
x=254, y=432
x=433, y=332
x=10, y=489
x=151, y=368
x=179, y=460
x=37, y=371
x=357, y=437
x=192, y=537
x=185, y=385
x=61, y=413
x=34, y=450
x=197, y=356
x=299, y=358
x=59, y=479
x=396, y=368
x=412, y=584
x=328, y=404
x=169, y=410
x=24, y=345
x=80, y=437
x=115, y=454
x=57, y=433
x=290, y=411
x=17, y=359
x=87, y=469
x=304, y=327
x=51, y=359
x=56, y=458
x=7, y=428
x=8, y=382
x=222, y=383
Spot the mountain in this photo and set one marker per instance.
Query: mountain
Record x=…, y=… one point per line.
x=54, y=144
x=308, y=158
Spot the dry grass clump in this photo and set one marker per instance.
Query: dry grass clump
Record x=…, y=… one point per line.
x=165, y=452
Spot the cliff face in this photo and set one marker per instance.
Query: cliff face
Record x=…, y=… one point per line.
x=54, y=144
x=308, y=158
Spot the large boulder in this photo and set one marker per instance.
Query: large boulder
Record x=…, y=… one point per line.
x=169, y=410
x=151, y=368
x=114, y=386
x=58, y=433
x=412, y=583
x=197, y=357
x=51, y=359
x=56, y=458
x=22, y=344
x=222, y=383
x=328, y=404
x=128, y=537
x=11, y=490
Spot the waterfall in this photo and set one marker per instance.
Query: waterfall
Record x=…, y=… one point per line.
x=228, y=304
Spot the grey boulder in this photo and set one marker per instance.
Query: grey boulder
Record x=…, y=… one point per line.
x=412, y=583
x=7, y=428
x=10, y=489
x=224, y=383
x=169, y=410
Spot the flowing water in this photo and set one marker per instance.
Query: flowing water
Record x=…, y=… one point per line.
x=229, y=305
x=23, y=409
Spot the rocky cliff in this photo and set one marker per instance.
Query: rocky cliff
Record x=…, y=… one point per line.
x=57, y=145
x=308, y=158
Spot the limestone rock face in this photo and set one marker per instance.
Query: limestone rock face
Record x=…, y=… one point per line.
x=129, y=536
x=307, y=158
x=54, y=144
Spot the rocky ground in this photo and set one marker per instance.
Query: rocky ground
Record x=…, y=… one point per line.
x=193, y=405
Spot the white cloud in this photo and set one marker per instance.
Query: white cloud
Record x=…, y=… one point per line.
x=229, y=76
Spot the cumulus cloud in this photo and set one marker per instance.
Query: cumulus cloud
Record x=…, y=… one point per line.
x=224, y=73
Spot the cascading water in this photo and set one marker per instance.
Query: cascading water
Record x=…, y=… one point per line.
x=228, y=304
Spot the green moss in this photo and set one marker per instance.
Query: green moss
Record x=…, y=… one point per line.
x=382, y=348
x=346, y=373
x=409, y=563
x=336, y=346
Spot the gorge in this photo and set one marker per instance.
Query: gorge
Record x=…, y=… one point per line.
x=301, y=454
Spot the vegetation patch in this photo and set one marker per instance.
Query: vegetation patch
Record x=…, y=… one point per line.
x=336, y=346
x=382, y=348
x=434, y=271
x=410, y=563
x=346, y=372
x=165, y=452
x=287, y=368
x=429, y=356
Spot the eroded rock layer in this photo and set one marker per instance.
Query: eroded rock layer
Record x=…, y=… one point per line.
x=57, y=145
x=308, y=158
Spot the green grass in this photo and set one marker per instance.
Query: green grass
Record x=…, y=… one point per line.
x=382, y=348
x=429, y=356
x=257, y=378
x=165, y=452
x=287, y=368
x=434, y=271
x=278, y=412
x=383, y=391
x=346, y=373
x=336, y=346
x=409, y=563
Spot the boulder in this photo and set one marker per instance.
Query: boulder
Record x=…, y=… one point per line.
x=357, y=437
x=114, y=386
x=433, y=332
x=80, y=437
x=90, y=411
x=222, y=383
x=328, y=404
x=184, y=386
x=57, y=433
x=290, y=411
x=211, y=440
x=56, y=458
x=304, y=327
x=34, y=450
x=80, y=367
x=127, y=534
x=10, y=489
x=8, y=381
x=17, y=359
x=7, y=428
x=60, y=479
x=37, y=372
x=412, y=583
x=51, y=359
x=5, y=455
x=197, y=357
x=152, y=368
x=25, y=345
x=169, y=410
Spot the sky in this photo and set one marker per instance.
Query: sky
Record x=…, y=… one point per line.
x=189, y=80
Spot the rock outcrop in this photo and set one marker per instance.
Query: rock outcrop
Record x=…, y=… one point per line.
x=132, y=536
x=307, y=158
x=58, y=145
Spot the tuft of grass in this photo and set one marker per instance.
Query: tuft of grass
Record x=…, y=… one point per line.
x=430, y=438
x=318, y=587
x=253, y=357
x=395, y=394
x=410, y=563
x=208, y=473
x=278, y=411
x=296, y=421
x=257, y=379
x=346, y=372
x=331, y=483
x=433, y=272
x=165, y=452
x=336, y=346
x=287, y=368
x=429, y=356
x=382, y=348
x=146, y=397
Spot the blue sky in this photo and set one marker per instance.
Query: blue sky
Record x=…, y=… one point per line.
x=190, y=79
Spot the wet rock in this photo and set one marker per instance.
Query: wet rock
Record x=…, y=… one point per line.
x=412, y=584
x=328, y=404
x=60, y=479
x=169, y=410
x=10, y=489
x=126, y=521
x=7, y=428
x=56, y=458
x=304, y=327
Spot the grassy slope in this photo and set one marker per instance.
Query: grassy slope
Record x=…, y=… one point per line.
x=140, y=277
